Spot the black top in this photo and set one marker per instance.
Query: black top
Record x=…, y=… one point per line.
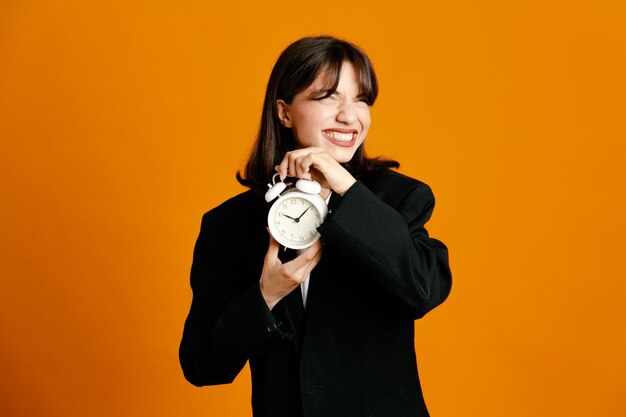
x=351, y=352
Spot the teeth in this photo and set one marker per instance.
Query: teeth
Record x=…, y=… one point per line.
x=345, y=137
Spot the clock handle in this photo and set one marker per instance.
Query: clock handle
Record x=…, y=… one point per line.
x=308, y=186
x=274, y=189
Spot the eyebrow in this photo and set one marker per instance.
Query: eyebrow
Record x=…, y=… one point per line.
x=325, y=92
x=321, y=92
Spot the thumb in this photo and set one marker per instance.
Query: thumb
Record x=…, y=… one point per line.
x=273, y=248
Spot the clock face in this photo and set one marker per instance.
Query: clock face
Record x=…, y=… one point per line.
x=294, y=221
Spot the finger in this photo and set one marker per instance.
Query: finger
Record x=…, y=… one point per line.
x=272, y=249
x=298, y=166
x=313, y=249
x=310, y=162
x=294, y=160
x=311, y=255
x=306, y=165
x=292, y=165
x=302, y=166
x=305, y=270
x=277, y=169
x=283, y=167
x=323, y=162
x=304, y=258
x=287, y=165
x=309, y=267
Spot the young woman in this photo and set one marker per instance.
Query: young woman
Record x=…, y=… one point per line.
x=328, y=331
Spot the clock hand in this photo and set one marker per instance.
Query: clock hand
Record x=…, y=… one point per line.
x=289, y=217
x=300, y=216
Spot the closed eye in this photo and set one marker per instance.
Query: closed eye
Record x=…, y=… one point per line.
x=363, y=99
x=322, y=94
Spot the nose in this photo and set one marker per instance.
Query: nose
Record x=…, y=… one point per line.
x=346, y=113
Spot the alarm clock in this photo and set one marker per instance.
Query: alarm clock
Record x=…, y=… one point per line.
x=296, y=214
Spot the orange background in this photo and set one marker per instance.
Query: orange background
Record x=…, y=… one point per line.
x=122, y=122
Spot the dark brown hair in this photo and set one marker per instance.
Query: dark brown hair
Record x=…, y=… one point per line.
x=295, y=70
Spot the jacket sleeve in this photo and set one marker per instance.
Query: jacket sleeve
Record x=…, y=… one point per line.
x=393, y=244
x=228, y=321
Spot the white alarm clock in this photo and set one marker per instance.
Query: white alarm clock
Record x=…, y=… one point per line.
x=296, y=214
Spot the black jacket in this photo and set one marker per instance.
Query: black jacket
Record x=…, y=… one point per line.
x=351, y=351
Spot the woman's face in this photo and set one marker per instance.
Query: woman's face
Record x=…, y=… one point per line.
x=338, y=123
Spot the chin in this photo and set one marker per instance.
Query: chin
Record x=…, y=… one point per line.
x=343, y=156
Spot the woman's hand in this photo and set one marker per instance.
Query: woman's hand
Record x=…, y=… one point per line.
x=278, y=279
x=315, y=163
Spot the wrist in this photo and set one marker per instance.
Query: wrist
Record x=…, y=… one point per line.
x=269, y=301
x=343, y=188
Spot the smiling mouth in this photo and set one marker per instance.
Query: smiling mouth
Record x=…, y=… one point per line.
x=340, y=136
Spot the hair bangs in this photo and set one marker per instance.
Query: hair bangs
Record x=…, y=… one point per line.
x=368, y=85
x=331, y=73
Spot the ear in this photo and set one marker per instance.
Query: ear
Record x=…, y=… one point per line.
x=282, y=111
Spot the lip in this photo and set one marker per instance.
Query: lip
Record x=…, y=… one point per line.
x=342, y=143
x=341, y=130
